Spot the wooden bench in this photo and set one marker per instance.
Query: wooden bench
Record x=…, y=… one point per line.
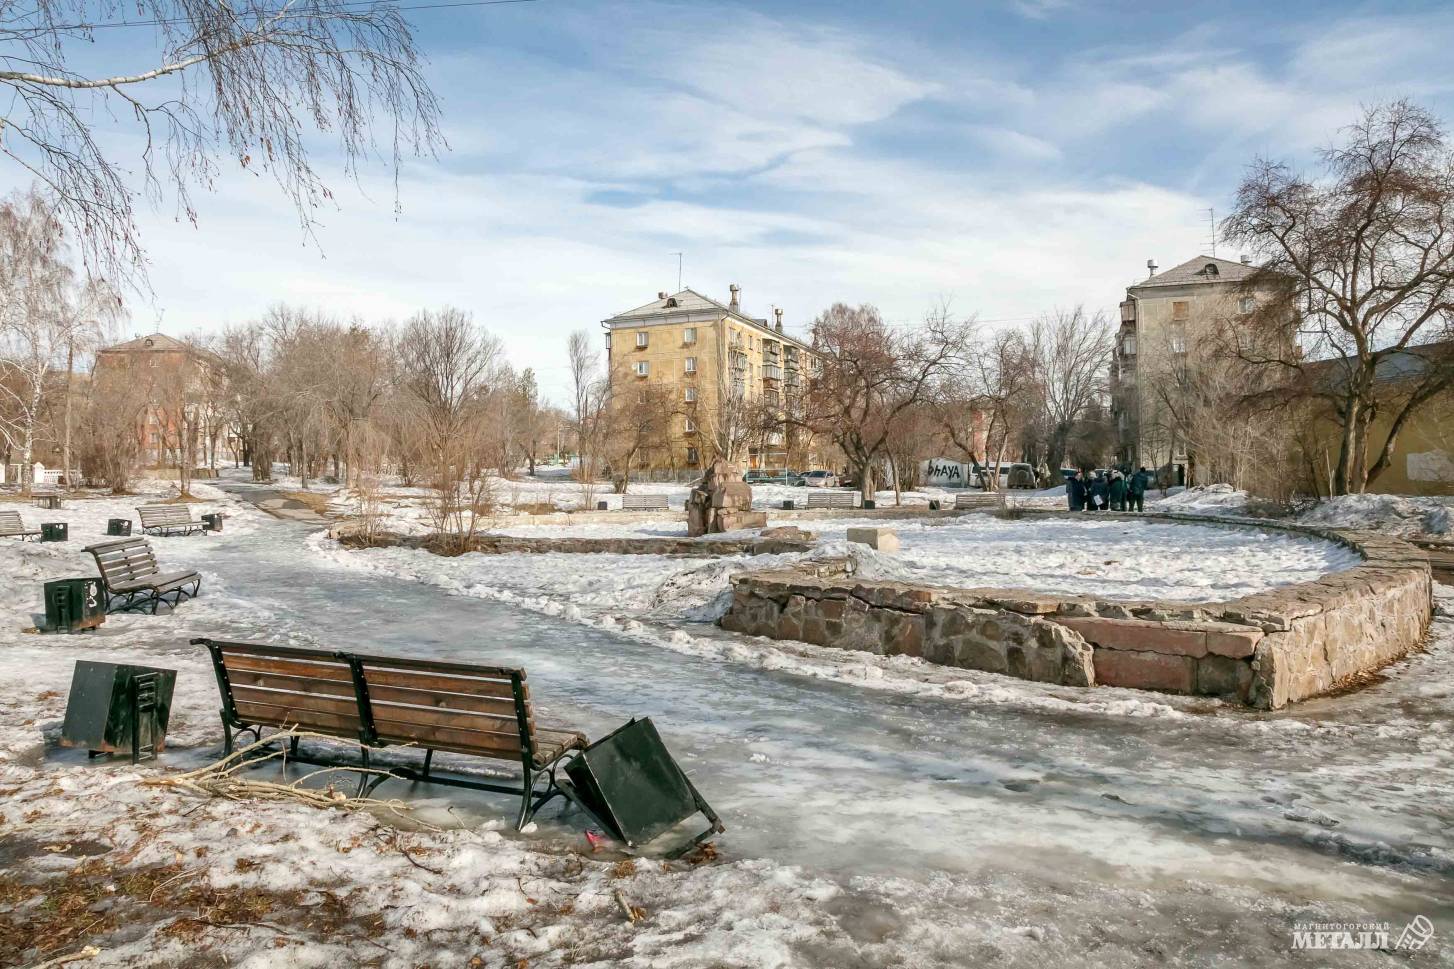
x=129, y=572
x=168, y=520
x=384, y=701
x=643, y=503
x=832, y=499
x=12, y=527
x=976, y=499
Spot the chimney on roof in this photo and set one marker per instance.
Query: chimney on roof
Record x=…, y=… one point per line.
x=661, y=294
x=735, y=304
x=777, y=318
x=1150, y=268
x=1246, y=260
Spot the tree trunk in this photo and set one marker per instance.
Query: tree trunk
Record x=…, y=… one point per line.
x=66, y=434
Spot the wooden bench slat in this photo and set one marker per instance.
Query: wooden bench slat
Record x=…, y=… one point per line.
x=287, y=681
x=463, y=719
x=272, y=715
x=442, y=700
x=465, y=741
x=316, y=702
x=431, y=681
x=261, y=664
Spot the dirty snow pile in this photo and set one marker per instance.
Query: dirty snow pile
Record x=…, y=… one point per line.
x=1216, y=499
x=1390, y=514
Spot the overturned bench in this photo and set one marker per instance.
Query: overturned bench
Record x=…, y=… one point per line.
x=976, y=499
x=168, y=520
x=379, y=701
x=832, y=499
x=644, y=503
x=129, y=572
x=12, y=527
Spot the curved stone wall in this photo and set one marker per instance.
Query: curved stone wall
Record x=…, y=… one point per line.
x=1265, y=650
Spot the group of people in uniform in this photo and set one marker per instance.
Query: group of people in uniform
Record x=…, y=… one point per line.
x=1113, y=491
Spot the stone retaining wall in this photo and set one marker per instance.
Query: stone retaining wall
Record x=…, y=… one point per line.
x=1265, y=650
x=501, y=544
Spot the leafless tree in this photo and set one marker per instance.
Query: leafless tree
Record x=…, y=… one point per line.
x=245, y=81
x=1357, y=266
x=34, y=278
x=639, y=420
x=1071, y=353
x=1006, y=386
x=870, y=374
x=590, y=392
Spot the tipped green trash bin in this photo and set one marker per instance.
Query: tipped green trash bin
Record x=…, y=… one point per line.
x=630, y=783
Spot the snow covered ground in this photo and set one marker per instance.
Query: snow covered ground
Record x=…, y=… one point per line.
x=880, y=812
x=1089, y=556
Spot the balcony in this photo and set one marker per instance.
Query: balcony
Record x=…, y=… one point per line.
x=1128, y=311
x=771, y=371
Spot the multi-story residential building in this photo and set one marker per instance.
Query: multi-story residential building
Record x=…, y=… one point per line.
x=182, y=419
x=1164, y=319
x=724, y=380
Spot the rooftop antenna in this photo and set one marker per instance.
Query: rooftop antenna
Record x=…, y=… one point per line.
x=679, y=269
x=1212, y=224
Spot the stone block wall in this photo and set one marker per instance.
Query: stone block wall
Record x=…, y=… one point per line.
x=1265, y=650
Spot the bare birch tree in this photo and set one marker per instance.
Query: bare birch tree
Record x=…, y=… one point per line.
x=199, y=82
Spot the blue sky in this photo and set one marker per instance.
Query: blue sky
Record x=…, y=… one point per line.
x=1009, y=157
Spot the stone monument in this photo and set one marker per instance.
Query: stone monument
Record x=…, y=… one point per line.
x=721, y=502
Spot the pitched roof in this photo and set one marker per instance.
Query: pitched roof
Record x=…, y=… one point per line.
x=156, y=342
x=687, y=301
x=1201, y=270
x=691, y=306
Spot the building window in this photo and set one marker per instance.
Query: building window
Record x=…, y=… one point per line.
x=691, y=426
x=691, y=364
x=642, y=368
x=689, y=335
x=1178, y=339
x=641, y=340
x=691, y=455
x=689, y=395
x=1128, y=345
x=1180, y=310
x=1246, y=304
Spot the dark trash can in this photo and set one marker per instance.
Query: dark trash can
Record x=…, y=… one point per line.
x=868, y=503
x=73, y=605
x=601, y=506
x=118, y=526
x=632, y=786
x=54, y=531
x=933, y=504
x=789, y=504
x=214, y=521
x=117, y=709
x=53, y=502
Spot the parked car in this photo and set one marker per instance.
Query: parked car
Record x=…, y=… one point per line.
x=820, y=479
x=773, y=476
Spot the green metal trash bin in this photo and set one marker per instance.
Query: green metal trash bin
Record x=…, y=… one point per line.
x=632, y=786
x=115, y=708
x=118, y=526
x=55, y=532
x=73, y=605
x=214, y=521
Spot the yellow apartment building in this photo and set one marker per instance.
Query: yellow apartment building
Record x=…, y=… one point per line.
x=721, y=381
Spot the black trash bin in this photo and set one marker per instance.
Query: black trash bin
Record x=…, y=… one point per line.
x=73, y=605
x=933, y=504
x=789, y=504
x=214, y=521
x=869, y=504
x=116, y=709
x=118, y=526
x=602, y=506
x=54, y=532
x=632, y=786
